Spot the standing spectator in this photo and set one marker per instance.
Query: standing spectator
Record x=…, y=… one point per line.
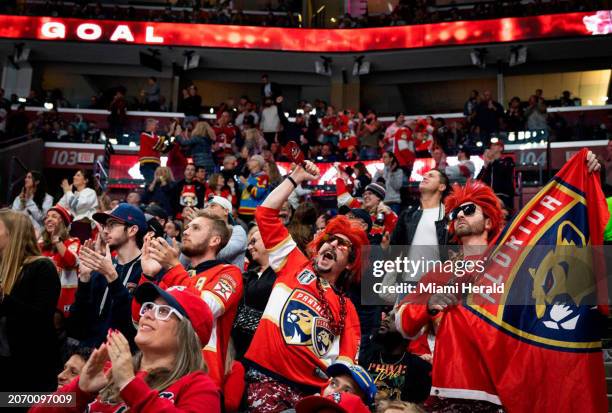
x=536, y=114
x=57, y=244
x=269, y=89
x=390, y=132
x=470, y=105
x=235, y=249
x=464, y=169
x=33, y=200
x=161, y=190
x=118, y=115
x=270, y=121
x=173, y=326
x=368, y=132
x=151, y=146
x=189, y=192
x=253, y=137
x=258, y=281
x=104, y=293
x=567, y=100
x=199, y=145
x=515, y=119
x=192, y=104
x=152, y=94
x=362, y=179
x=394, y=178
x=81, y=200
x=4, y=102
x=285, y=363
x=498, y=173
x=75, y=361
x=28, y=297
x=246, y=110
x=487, y=115
x=226, y=136
x=17, y=123
x=133, y=198
x=254, y=189
x=330, y=127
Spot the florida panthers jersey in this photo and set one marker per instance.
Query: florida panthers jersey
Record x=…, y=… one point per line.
x=67, y=268
x=294, y=342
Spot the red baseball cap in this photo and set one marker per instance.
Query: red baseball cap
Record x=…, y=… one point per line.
x=185, y=302
x=64, y=213
x=339, y=402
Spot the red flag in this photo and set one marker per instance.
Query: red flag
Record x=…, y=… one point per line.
x=539, y=357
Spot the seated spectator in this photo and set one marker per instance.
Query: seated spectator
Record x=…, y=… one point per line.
x=253, y=189
x=253, y=137
x=487, y=115
x=274, y=176
x=82, y=202
x=172, y=325
x=161, y=190
x=33, y=200
x=63, y=250
x=498, y=173
x=464, y=169
x=173, y=230
x=568, y=100
x=335, y=402
x=536, y=114
x=73, y=365
x=28, y=299
x=236, y=247
x=258, y=281
x=216, y=187
x=188, y=192
x=350, y=378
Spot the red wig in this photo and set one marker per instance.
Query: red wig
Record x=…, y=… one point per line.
x=481, y=195
x=342, y=225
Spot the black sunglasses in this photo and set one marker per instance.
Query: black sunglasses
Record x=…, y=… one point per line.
x=468, y=210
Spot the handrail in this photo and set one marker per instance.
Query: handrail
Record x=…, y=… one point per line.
x=11, y=185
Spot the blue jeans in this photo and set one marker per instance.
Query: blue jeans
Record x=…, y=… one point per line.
x=148, y=171
x=367, y=153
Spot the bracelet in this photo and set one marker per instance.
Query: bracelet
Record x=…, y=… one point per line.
x=290, y=179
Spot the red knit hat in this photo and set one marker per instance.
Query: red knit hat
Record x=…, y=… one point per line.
x=480, y=194
x=64, y=213
x=344, y=226
x=338, y=402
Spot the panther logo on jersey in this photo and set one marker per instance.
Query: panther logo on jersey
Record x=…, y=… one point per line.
x=322, y=337
x=298, y=316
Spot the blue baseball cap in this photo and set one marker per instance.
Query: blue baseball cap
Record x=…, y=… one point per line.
x=125, y=213
x=357, y=373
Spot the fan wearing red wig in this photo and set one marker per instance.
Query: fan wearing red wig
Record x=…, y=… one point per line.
x=309, y=322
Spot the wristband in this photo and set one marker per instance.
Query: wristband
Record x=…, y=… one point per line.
x=290, y=179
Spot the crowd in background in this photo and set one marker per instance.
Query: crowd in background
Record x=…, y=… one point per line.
x=283, y=13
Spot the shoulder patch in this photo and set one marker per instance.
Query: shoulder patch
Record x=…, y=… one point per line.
x=306, y=277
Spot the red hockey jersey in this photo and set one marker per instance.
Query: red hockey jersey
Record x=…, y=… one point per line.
x=220, y=285
x=150, y=147
x=294, y=342
x=67, y=266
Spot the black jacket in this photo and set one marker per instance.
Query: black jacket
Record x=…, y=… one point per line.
x=407, y=223
x=28, y=310
x=499, y=175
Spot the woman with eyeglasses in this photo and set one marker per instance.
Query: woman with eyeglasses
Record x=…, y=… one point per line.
x=258, y=281
x=168, y=374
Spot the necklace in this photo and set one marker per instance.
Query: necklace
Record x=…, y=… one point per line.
x=336, y=326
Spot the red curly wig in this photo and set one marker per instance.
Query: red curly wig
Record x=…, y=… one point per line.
x=483, y=196
x=342, y=225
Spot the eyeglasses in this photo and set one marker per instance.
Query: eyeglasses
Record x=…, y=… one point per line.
x=343, y=244
x=162, y=312
x=468, y=211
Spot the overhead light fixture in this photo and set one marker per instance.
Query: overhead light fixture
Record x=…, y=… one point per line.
x=22, y=100
x=323, y=66
x=518, y=55
x=361, y=67
x=479, y=57
x=48, y=105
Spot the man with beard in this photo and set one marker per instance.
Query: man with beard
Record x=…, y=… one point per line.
x=219, y=284
x=103, y=295
x=309, y=322
x=397, y=374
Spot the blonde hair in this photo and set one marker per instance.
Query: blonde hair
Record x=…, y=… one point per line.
x=213, y=181
x=165, y=172
x=22, y=247
x=218, y=227
x=202, y=128
x=188, y=360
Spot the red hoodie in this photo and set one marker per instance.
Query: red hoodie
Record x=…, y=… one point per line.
x=189, y=394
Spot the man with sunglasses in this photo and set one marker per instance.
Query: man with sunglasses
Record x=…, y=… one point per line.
x=309, y=322
x=103, y=296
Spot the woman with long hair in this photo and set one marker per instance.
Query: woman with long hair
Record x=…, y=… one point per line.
x=274, y=175
x=161, y=189
x=82, y=202
x=33, y=198
x=57, y=244
x=167, y=374
x=362, y=179
x=29, y=290
x=393, y=177
x=199, y=145
x=258, y=281
x=216, y=187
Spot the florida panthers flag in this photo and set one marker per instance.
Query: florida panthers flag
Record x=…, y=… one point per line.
x=544, y=353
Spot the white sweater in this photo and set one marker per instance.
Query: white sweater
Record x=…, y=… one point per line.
x=81, y=204
x=33, y=211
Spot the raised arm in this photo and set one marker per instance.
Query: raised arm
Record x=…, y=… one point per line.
x=281, y=193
